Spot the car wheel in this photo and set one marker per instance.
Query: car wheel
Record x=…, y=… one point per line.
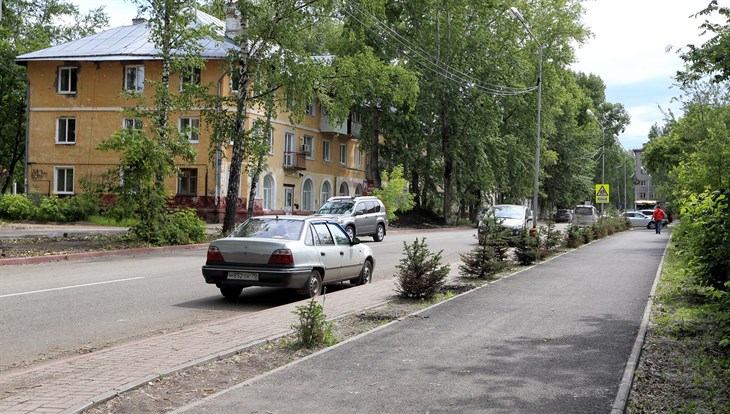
x=314, y=287
x=366, y=274
x=231, y=292
x=379, y=233
x=651, y=225
x=350, y=232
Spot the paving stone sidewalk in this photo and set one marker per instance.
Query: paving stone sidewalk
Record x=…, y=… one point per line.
x=73, y=384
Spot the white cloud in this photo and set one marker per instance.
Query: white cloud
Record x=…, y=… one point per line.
x=629, y=52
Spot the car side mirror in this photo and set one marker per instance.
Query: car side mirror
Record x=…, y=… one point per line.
x=354, y=241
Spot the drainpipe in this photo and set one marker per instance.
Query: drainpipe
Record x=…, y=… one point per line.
x=27, y=132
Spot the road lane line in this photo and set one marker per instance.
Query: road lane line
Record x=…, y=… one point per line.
x=71, y=287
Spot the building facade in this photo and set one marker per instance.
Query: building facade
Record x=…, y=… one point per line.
x=644, y=189
x=75, y=102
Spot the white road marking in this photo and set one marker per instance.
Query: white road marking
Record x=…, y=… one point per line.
x=71, y=287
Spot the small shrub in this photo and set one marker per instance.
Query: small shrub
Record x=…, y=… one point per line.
x=81, y=207
x=587, y=233
x=183, y=227
x=551, y=240
x=574, y=237
x=51, y=209
x=498, y=237
x=313, y=328
x=420, y=272
x=483, y=262
x=527, y=251
x=16, y=208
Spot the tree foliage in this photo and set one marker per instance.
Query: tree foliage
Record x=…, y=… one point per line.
x=394, y=194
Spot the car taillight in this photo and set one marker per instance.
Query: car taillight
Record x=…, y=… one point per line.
x=281, y=256
x=214, y=254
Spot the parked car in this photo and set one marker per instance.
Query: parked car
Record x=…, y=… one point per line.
x=563, y=215
x=295, y=252
x=649, y=213
x=584, y=215
x=359, y=216
x=511, y=216
x=638, y=219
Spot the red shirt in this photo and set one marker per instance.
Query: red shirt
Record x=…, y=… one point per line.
x=658, y=214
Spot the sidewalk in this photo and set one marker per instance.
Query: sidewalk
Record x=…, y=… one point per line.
x=72, y=384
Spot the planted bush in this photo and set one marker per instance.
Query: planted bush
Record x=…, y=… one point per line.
x=51, y=209
x=16, y=208
x=527, y=251
x=421, y=274
x=182, y=227
x=313, y=328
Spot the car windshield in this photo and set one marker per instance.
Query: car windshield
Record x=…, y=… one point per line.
x=584, y=211
x=336, y=207
x=507, y=212
x=269, y=228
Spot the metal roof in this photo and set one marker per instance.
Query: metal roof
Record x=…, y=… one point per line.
x=128, y=43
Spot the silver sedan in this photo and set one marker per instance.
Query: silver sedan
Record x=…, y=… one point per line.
x=295, y=252
x=638, y=219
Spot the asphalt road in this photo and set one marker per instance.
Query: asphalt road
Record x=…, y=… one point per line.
x=56, y=309
x=554, y=338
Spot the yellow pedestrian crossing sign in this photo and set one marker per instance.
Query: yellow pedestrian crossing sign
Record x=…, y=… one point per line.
x=602, y=192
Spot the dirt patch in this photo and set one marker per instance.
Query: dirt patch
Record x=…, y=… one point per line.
x=44, y=246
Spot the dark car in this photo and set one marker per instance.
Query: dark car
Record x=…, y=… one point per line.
x=563, y=215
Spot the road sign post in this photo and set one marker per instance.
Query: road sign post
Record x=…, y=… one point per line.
x=602, y=193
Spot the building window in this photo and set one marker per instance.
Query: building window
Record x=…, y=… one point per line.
x=190, y=128
x=308, y=146
x=343, y=154
x=326, y=192
x=326, y=150
x=268, y=193
x=310, y=109
x=188, y=182
x=355, y=117
x=63, y=177
x=271, y=141
x=67, y=80
x=134, y=78
x=358, y=190
x=358, y=157
x=307, y=204
x=189, y=77
x=344, y=189
x=66, y=131
x=132, y=123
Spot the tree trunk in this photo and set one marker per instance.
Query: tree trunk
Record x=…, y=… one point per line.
x=448, y=166
x=374, y=151
x=234, y=176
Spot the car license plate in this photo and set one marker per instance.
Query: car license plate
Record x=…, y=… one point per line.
x=243, y=275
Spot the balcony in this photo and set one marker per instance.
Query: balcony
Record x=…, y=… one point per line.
x=295, y=160
x=348, y=127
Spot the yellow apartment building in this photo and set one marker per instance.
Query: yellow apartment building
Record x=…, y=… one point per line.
x=75, y=103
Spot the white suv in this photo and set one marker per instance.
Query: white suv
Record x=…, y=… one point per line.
x=359, y=216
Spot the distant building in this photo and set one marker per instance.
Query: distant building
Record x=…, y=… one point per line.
x=75, y=103
x=644, y=189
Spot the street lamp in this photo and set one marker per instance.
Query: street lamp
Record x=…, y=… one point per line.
x=603, y=150
x=522, y=20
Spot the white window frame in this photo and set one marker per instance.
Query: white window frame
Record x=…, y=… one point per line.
x=192, y=77
x=289, y=144
x=343, y=154
x=56, y=176
x=138, y=85
x=358, y=157
x=325, y=195
x=131, y=123
x=311, y=108
x=268, y=192
x=71, y=74
x=308, y=144
x=65, y=139
x=355, y=117
x=271, y=141
x=192, y=130
x=307, y=195
x=326, y=150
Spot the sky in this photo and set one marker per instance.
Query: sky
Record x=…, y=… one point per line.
x=628, y=50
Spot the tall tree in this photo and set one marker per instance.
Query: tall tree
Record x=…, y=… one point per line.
x=146, y=160
x=27, y=26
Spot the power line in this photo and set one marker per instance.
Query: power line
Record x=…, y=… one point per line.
x=424, y=59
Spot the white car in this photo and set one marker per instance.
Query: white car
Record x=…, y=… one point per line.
x=584, y=215
x=638, y=219
x=295, y=252
x=512, y=216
